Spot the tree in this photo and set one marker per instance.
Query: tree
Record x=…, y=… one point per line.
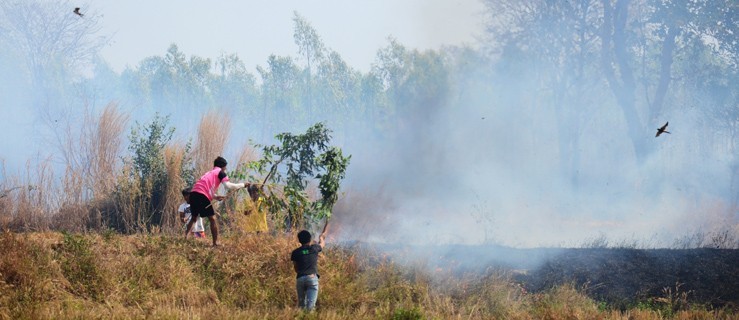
x=373, y=108
x=337, y=91
x=173, y=82
x=297, y=160
x=574, y=48
x=636, y=47
x=280, y=91
x=312, y=49
x=53, y=45
x=551, y=46
x=235, y=88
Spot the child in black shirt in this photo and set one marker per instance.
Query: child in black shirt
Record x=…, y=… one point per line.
x=305, y=261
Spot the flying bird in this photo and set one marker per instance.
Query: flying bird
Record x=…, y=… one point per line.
x=662, y=129
x=77, y=12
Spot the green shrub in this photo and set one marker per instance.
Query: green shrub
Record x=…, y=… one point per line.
x=80, y=267
x=407, y=314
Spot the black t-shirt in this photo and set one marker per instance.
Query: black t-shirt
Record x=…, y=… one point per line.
x=306, y=259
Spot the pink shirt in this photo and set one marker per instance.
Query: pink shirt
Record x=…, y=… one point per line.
x=209, y=182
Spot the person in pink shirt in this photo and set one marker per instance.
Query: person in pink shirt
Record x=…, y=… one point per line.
x=203, y=193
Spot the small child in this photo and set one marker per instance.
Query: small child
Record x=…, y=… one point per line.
x=198, y=230
x=305, y=263
x=256, y=214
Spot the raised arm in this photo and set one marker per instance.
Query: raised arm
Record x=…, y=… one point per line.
x=322, y=237
x=230, y=185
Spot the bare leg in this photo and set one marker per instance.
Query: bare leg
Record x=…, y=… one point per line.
x=214, y=229
x=189, y=226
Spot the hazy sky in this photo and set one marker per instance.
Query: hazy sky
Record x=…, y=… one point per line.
x=256, y=29
x=477, y=174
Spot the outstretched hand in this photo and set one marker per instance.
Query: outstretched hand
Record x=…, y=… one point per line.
x=325, y=229
x=322, y=236
x=322, y=240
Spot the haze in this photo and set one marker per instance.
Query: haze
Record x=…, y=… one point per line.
x=468, y=122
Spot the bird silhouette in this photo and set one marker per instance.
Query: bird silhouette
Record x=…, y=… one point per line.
x=662, y=129
x=77, y=12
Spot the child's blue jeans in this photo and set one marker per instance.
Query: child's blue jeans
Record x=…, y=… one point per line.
x=307, y=287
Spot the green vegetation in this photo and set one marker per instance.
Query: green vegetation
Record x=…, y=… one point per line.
x=564, y=68
x=146, y=184
x=112, y=276
x=304, y=157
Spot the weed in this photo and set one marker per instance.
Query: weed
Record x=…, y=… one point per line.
x=672, y=300
x=80, y=267
x=407, y=314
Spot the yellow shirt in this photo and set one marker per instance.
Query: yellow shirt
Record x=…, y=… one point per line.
x=255, y=218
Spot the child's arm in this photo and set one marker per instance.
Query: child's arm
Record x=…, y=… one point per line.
x=322, y=237
x=321, y=240
x=182, y=216
x=230, y=185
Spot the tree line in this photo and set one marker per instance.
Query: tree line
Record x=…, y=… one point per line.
x=627, y=64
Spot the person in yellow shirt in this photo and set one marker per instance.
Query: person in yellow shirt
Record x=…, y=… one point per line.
x=255, y=211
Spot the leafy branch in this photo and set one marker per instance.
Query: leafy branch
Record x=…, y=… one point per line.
x=297, y=160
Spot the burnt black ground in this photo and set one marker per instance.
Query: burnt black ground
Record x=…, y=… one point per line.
x=621, y=277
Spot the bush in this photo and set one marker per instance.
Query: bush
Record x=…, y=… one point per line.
x=407, y=314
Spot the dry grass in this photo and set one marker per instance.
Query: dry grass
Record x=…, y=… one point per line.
x=212, y=136
x=125, y=213
x=28, y=200
x=174, y=156
x=96, y=190
x=91, y=157
x=91, y=150
x=247, y=154
x=105, y=145
x=64, y=276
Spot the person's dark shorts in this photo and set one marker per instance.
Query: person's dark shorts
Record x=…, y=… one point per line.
x=200, y=205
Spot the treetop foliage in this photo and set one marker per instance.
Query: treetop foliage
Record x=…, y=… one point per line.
x=298, y=160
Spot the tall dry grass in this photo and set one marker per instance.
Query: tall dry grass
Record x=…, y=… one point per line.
x=29, y=199
x=105, y=145
x=91, y=151
x=97, y=190
x=175, y=160
x=126, y=214
x=212, y=137
x=246, y=155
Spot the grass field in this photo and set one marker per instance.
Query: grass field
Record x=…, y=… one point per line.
x=156, y=276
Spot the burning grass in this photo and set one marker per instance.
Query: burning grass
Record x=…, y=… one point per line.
x=108, y=275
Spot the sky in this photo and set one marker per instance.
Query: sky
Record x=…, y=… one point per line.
x=256, y=29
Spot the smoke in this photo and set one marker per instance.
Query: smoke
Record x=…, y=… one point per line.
x=491, y=161
x=487, y=170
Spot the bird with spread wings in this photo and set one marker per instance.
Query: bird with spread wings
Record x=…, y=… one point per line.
x=662, y=130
